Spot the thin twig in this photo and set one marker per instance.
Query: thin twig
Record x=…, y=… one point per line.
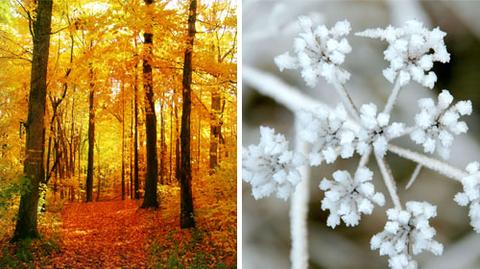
x=389, y=181
x=414, y=176
x=393, y=97
x=431, y=163
x=299, y=211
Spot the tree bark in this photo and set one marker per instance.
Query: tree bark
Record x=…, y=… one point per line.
x=215, y=130
x=123, y=142
x=187, y=219
x=91, y=138
x=26, y=226
x=136, y=181
x=150, y=199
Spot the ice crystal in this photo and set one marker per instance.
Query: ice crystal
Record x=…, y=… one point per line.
x=405, y=231
x=375, y=130
x=270, y=167
x=318, y=51
x=436, y=125
x=329, y=134
x=347, y=198
x=471, y=194
x=412, y=50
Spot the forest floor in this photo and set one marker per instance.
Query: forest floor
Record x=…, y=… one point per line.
x=117, y=234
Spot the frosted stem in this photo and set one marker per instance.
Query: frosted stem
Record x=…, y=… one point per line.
x=414, y=176
x=431, y=163
x=347, y=100
x=392, y=99
x=389, y=181
x=299, y=211
x=271, y=86
x=365, y=158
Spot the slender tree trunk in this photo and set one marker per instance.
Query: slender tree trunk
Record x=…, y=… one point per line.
x=136, y=179
x=199, y=135
x=123, y=142
x=91, y=138
x=26, y=226
x=215, y=129
x=163, y=145
x=150, y=199
x=186, y=211
x=131, y=148
x=171, y=143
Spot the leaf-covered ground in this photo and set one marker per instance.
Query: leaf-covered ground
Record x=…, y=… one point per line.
x=117, y=234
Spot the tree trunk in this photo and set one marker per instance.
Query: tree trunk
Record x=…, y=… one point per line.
x=91, y=138
x=186, y=211
x=215, y=129
x=26, y=226
x=150, y=199
x=123, y=142
x=136, y=181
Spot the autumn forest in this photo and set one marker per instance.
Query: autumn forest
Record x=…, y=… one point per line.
x=118, y=134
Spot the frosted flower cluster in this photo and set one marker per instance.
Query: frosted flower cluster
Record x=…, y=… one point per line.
x=412, y=50
x=436, y=125
x=471, y=194
x=347, y=198
x=405, y=231
x=318, y=52
x=329, y=134
x=375, y=130
x=270, y=167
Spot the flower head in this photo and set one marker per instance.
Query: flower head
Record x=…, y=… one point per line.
x=405, y=230
x=347, y=198
x=411, y=51
x=318, y=52
x=270, y=167
x=375, y=130
x=436, y=125
x=471, y=194
x=329, y=133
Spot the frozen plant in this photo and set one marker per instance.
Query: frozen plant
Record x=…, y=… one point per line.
x=435, y=125
x=471, y=194
x=347, y=198
x=270, y=167
x=329, y=134
x=405, y=231
x=411, y=51
x=318, y=52
x=369, y=131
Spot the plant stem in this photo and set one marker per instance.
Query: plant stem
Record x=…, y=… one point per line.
x=393, y=97
x=271, y=86
x=299, y=211
x=389, y=181
x=431, y=163
x=414, y=176
x=347, y=100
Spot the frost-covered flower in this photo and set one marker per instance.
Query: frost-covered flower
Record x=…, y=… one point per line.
x=471, y=194
x=411, y=51
x=375, y=130
x=318, y=52
x=329, y=133
x=436, y=125
x=347, y=198
x=270, y=167
x=405, y=231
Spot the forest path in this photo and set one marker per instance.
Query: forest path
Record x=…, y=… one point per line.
x=103, y=235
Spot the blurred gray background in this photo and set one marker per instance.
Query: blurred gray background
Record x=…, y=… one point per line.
x=268, y=30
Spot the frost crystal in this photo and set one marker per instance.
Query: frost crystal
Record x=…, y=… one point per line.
x=329, y=133
x=405, y=231
x=411, y=51
x=375, y=130
x=347, y=198
x=318, y=52
x=471, y=194
x=270, y=167
x=436, y=125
